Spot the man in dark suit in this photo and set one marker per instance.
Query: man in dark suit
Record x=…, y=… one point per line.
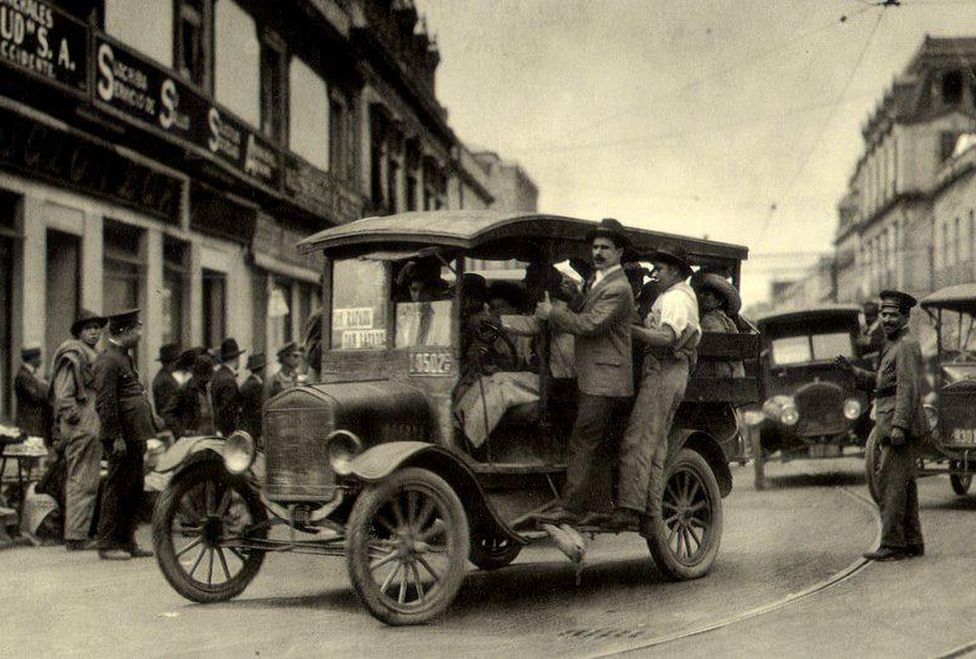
x=31, y=389
x=126, y=423
x=899, y=426
x=165, y=387
x=191, y=412
x=224, y=391
x=603, y=362
x=252, y=395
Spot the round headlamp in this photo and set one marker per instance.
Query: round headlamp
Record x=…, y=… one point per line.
x=789, y=415
x=239, y=452
x=753, y=417
x=342, y=447
x=852, y=408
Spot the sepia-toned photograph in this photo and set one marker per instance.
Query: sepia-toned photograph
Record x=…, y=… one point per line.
x=487, y=328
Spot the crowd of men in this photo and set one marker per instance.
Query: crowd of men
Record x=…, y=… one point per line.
x=95, y=408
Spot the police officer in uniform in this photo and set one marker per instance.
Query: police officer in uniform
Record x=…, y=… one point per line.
x=127, y=422
x=899, y=426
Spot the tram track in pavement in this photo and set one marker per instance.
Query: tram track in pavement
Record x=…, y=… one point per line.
x=620, y=646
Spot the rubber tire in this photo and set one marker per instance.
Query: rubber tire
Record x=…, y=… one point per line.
x=758, y=462
x=369, y=501
x=872, y=462
x=162, y=540
x=488, y=558
x=657, y=543
x=961, y=484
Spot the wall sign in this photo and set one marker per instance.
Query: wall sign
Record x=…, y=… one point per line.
x=41, y=41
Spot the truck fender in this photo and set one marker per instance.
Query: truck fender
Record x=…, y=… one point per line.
x=190, y=449
x=381, y=460
x=709, y=449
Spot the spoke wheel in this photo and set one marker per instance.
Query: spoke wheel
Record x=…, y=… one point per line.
x=686, y=534
x=493, y=553
x=872, y=467
x=407, y=545
x=198, y=526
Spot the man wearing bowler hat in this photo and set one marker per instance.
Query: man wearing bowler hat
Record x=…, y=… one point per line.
x=900, y=425
x=252, y=395
x=30, y=388
x=126, y=423
x=604, y=369
x=165, y=386
x=668, y=337
x=224, y=391
x=76, y=418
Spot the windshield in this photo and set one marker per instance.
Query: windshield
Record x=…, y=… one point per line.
x=958, y=334
x=805, y=348
x=358, y=305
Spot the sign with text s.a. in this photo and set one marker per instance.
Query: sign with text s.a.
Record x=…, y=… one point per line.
x=41, y=41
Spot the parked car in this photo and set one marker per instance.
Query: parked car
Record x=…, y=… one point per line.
x=950, y=449
x=811, y=408
x=371, y=463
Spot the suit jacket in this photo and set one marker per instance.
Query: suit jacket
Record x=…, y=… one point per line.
x=190, y=412
x=252, y=398
x=897, y=387
x=33, y=411
x=120, y=399
x=604, y=365
x=226, y=400
x=164, y=389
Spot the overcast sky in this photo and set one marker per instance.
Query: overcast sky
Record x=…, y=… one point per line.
x=685, y=116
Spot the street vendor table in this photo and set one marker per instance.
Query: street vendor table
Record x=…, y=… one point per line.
x=25, y=453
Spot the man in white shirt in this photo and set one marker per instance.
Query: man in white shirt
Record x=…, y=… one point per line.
x=669, y=335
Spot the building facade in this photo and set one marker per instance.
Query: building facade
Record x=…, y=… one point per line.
x=169, y=154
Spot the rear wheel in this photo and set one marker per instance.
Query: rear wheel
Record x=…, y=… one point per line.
x=198, y=525
x=685, y=538
x=407, y=546
x=872, y=467
x=493, y=553
x=960, y=483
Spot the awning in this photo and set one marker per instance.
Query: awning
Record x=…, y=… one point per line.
x=278, y=267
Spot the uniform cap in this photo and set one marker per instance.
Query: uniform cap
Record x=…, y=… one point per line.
x=288, y=349
x=897, y=299
x=124, y=320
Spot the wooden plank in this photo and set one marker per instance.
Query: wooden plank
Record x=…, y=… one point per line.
x=720, y=345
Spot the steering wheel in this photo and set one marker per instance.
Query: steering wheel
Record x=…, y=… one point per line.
x=489, y=333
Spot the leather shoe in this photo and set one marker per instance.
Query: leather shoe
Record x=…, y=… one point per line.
x=113, y=555
x=913, y=551
x=139, y=552
x=624, y=519
x=81, y=545
x=557, y=515
x=885, y=554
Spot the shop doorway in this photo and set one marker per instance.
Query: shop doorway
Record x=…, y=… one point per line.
x=6, y=326
x=63, y=289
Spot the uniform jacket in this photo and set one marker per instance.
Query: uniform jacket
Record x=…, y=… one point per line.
x=120, y=399
x=164, y=390
x=602, y=329
x=73, y=391
x=191, y=412
x=252, y=398
x=897, y=387
x=226, y=400
x=33, y=412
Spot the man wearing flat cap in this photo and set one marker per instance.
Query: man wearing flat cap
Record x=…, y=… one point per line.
x=252, y=396
x=30, y=388
x=900, y=425
x=604, y=371
x=290, y=358
x=126, y=423
x=668, y=337
x=73, y=395
x=224, y=391
x=165, y=386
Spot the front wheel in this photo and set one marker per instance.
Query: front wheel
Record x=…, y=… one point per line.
x=407, y=546
x=493, y=553
x=199, y=524
x=960, y=482
x=872, y=467
x=685, y=537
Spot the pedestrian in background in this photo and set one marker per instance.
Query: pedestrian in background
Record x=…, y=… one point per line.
x=165, y=386
x=900, y=425
x=31, y=389
x=290, y=358
x=252, y=396
x=126, y=423
x=224, y=391
x=73, y=394
x=191, y=412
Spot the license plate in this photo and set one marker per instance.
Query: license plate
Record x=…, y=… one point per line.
x=824, y=451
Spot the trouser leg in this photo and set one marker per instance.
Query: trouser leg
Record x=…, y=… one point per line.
x=111, y=511
x=593, y=417
x=899, y=497
x=135, y=480
x=83, y=455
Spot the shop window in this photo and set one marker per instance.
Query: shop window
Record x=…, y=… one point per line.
x=214, y=307
x=63, y=279
x=175, y=290
x=279, y=313
x=273, y=88
x=412, y=169
x=193, y=41
x=952, y=84
x=308, y=114
x=338, y=127
x=392, y=181
x=237, y=62
x=144, y=25
x=377, y=138
x=122, y=267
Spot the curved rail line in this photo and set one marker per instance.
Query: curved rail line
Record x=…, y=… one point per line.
x=819, y=587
